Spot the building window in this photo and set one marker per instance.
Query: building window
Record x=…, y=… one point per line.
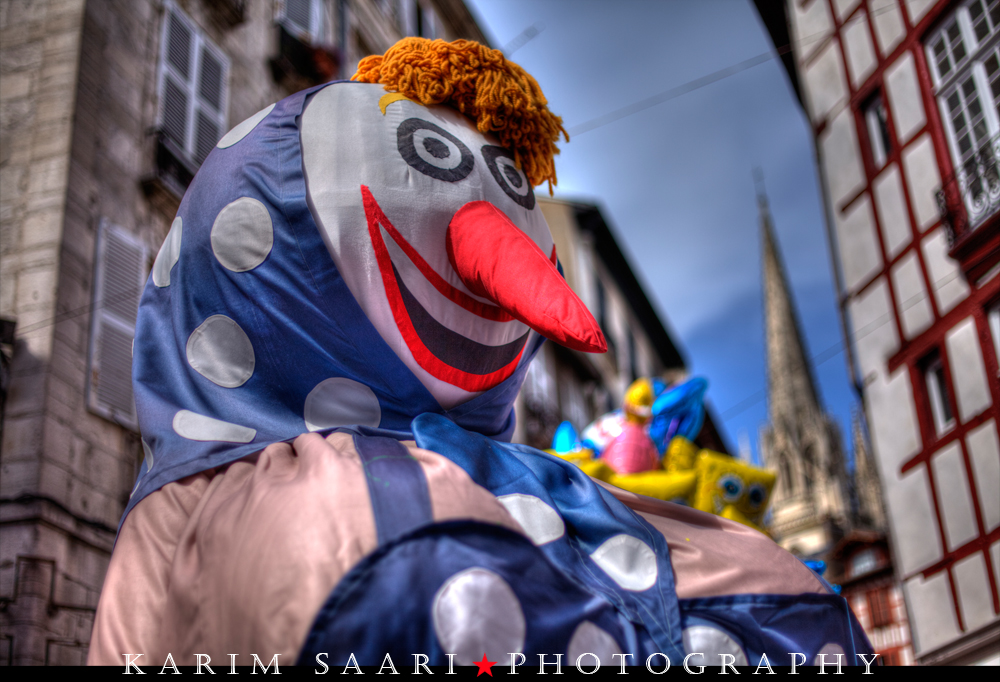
x=193, y=88
x=427, y=22
x=938, y=395
x=965, y=64
x=119, y=275
x=877, y=122
x=863, y=562
x=878, y=608
x=994, y=319
x=302, y=18
x=604, y=312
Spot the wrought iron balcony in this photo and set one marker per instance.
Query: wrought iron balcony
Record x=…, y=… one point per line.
x=972, y=194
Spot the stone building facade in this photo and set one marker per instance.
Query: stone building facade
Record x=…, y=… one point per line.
x=902, y=98
x=95, y=153
x=567, y=385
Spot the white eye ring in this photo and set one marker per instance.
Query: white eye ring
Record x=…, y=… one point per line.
x=731, y=487
x=507, y=174
x=436, y=150
x=433, y=151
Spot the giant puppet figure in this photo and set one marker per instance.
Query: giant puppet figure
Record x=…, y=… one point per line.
x=326, y=359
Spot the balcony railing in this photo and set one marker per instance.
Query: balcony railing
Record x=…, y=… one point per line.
x=972, y=194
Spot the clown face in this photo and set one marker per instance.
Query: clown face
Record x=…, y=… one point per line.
x=437, y=235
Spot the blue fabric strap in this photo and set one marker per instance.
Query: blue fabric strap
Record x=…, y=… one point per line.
x=397, y=486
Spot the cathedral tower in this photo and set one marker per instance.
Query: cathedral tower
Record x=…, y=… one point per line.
x=801, y=443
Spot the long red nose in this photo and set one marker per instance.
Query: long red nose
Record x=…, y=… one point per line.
x=498, y=261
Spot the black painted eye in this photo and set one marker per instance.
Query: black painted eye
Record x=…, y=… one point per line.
x=732, y=487
x=433, y=151
x=757, y=495
x=510, y=178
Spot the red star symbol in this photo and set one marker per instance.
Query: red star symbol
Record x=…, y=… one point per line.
x=485, y=665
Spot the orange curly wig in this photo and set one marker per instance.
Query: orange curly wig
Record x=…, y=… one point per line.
x=500, y=96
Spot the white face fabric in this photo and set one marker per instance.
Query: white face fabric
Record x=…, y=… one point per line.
x=384, y=177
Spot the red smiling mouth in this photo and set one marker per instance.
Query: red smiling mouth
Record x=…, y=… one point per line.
x=481, y=243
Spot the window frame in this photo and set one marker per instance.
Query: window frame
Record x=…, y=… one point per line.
x=191, y=85
x=977, y=53
x=938, y=394
x=880, y=142
x=993, y=322
x=879, y=608
x=313, y=34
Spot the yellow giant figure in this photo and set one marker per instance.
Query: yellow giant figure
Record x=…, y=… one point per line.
x=705, y=480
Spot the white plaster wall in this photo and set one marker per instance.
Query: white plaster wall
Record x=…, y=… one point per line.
x=888, y=19
x=918, y=8
x=811, y=24
x=904, y=97
x=826, y=86
x=841, y=158
x=945, y=277
x=915, y=314
x=892, y=214
x=872, y=327
x=967, y=370
x=911, y=514
x=932, y=613
x=893, y=419
x=858, y=47
x=860, y=255
x=923, y=180
x=954, y=496
x=896, y=438
x=844, y=7
x=984, y=453
x=974, y=595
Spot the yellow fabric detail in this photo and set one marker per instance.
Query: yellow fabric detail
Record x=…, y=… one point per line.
x=597, y=468
x=574, y=456
x=659, y=484
x=389, y=98
x=500, y=96
x=680, y=455
x=733, y=514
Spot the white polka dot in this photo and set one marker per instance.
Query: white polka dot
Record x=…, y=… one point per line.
x=242, y=129
x=341, y=402
x=710, y=642
x=220, y=351
x=629, y=561
x=590, y=639
x=194, y=426
x=476, y=611
x=540, y=522
x=242, y=235
x=170, y=252
x=149, y=454
x=831, y=650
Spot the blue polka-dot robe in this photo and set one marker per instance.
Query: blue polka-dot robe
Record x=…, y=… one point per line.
x=248, y=337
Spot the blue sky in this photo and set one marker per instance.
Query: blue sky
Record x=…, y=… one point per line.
x=674, y=180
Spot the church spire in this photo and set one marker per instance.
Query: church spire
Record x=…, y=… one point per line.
x=791, y=388
x=810, y=502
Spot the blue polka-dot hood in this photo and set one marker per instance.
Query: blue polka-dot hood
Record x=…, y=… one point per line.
x=249, y=332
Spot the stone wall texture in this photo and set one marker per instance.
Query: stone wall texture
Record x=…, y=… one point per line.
x=78, y=113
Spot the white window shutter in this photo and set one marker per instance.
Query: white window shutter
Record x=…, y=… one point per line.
x=193, y=87
x=298, y=17
x=119, y=276
x=175, y=95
